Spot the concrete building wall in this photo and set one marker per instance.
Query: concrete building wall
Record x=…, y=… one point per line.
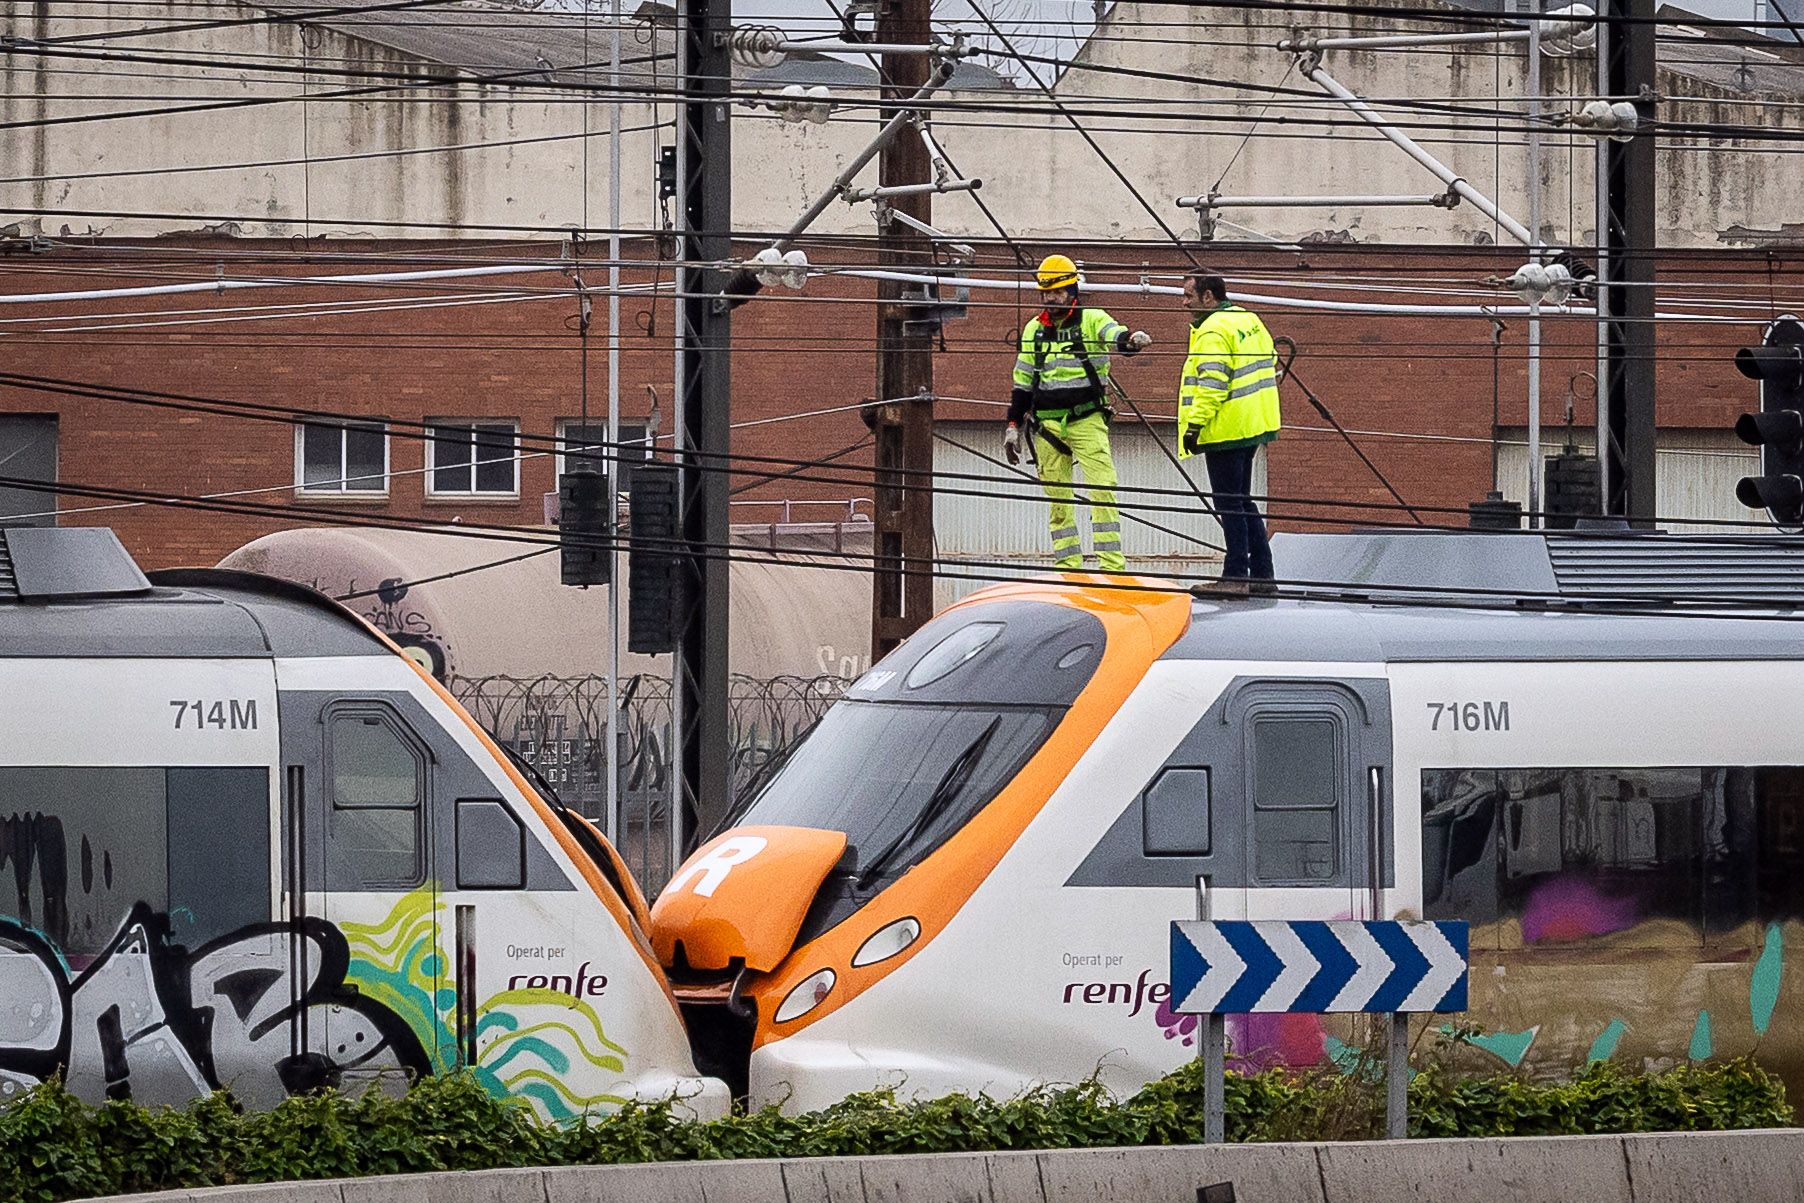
x=508, y=154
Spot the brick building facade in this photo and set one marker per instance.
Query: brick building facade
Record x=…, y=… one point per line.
x=503, y=351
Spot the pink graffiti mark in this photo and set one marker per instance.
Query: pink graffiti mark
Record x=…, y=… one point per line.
x=1272, y=1041
x=1571, y=908
x=1176, y=1026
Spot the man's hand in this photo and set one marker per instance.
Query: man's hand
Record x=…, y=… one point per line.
x=1011, y=443
x=1140, y=340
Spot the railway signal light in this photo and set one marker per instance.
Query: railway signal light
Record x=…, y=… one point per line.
x=585, y=525
x=651, y=612
x=1778, y=428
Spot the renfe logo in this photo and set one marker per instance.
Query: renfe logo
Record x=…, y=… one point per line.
x=1134, y=995
x=718, y=862
x=581, y=984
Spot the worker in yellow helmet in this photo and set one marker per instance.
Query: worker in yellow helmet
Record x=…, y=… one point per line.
x=1227, y=410
x=1060, y=394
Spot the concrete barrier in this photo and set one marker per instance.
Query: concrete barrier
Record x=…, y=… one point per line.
x=1745, y=1167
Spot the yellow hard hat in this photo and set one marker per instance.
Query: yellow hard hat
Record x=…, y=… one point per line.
x=1057, y=271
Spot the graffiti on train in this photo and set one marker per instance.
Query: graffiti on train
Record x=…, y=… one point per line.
x=265, y=1010
x=282, y=1008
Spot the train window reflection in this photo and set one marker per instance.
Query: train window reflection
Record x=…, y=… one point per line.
x=1647, y=856
x=952, y=653
x=899, y=779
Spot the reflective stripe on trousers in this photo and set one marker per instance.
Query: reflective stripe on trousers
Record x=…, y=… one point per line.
x=1088, y=438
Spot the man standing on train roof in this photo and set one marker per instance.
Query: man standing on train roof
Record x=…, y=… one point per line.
x=1227, y=410
x=1060, y=394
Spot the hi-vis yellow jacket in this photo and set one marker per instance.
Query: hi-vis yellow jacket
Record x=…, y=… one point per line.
x=1229, y=396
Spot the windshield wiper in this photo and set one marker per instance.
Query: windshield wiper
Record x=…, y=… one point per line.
x=951, y=784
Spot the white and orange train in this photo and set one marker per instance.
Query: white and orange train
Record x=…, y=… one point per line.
x=245, y=842
x=962, y=879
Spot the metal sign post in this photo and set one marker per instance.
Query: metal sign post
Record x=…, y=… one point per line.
x=1363, y=966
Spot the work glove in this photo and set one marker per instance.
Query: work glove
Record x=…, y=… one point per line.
x=1011, y=443
x=1140, y=340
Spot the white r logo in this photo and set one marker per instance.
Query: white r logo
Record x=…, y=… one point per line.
x=720, y=860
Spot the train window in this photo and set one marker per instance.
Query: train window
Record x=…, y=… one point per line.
x=899, y=778
x=80, y=848
x=491, y=846
x=378, y=782
x=1296, y=798
x=1175, y=813
x=1647, y=856
x=951, y=653
x=218, y=851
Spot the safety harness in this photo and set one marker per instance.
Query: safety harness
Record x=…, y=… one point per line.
x=1097, y=403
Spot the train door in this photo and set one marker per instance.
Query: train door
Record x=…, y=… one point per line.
x=1311, y=807
x=359, y=827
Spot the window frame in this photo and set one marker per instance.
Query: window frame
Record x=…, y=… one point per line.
x=363, y=709
x=1275, y=710
x=610, y=466
x=434, y=425
x=380, y=425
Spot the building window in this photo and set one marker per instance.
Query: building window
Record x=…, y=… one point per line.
x=573, y=436
x=28, y=452
x=472, y=459
x=349, y=459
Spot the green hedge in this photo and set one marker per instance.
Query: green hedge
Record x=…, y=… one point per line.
x=53, y=1147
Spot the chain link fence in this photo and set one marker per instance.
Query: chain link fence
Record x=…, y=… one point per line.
x=559, y=725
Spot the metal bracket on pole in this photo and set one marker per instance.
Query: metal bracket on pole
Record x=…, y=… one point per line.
x=942, y=169
x=960, y=252
x=766, y=46
x=854, y=196
x=1206, y=206
x=941, y=73
x=1309, y=65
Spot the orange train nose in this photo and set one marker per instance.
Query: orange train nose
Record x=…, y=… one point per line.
x=743, y=896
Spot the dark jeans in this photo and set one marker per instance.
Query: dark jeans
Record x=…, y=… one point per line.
x=1230, y=483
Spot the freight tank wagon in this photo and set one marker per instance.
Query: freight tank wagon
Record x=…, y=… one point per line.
x=246, y=843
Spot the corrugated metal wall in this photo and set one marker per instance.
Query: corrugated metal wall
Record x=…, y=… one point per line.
x=1695, y=477
x=1007, y=522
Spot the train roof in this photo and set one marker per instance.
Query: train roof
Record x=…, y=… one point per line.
x=76, y=591
x=1391, y=596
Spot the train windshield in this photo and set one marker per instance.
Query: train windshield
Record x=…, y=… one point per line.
x=899, y=778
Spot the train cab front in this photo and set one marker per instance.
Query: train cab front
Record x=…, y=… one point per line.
x=796, y=938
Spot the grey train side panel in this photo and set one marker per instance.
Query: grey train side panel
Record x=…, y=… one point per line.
x=451, y=777
x=1219, y=743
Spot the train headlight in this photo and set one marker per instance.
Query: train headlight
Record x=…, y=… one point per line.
x=810, y=993
x=886, y=942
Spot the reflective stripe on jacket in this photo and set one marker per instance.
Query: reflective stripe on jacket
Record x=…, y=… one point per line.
x=1050, y=366
x=1229, y=395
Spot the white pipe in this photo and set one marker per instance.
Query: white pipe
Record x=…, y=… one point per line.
x=1403, y=142
x=1534, y=317
x=938, y=50
x=855, y=195
x=611, y=754
x=1283, y=302
x=1438, y=200
x=1391, y=41
x=233, y=285
x=1601, y=200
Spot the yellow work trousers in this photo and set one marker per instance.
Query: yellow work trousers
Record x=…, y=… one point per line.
x=1088, y=438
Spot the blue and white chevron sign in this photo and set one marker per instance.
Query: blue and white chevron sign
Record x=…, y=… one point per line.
x=1238, y=966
